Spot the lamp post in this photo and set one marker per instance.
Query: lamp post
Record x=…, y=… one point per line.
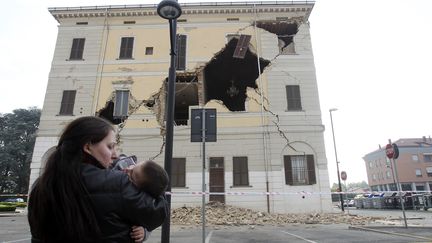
x=171, y=10
x=337, y=162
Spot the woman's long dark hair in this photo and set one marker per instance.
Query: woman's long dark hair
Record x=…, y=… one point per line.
x=59, y=207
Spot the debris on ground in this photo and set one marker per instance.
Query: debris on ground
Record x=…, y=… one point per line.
x=220, y=214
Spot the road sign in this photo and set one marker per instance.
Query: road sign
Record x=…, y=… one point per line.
x=395, y=151
x=390, y=151
x=343, y=175
x=210, y=125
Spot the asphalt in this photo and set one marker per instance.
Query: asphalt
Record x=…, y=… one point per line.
x=14, y=228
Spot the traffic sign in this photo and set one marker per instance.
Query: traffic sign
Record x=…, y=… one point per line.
x=395, y=151
x=343, y=175
x=390, y=151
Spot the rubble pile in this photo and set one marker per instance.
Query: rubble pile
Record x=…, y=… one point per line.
x=219, y=214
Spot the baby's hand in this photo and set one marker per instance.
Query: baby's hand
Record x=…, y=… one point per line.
x=137, y=234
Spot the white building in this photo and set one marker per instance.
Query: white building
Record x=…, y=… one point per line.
x=112, y=61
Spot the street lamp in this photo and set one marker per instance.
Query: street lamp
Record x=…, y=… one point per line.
x=171, y=10
x=337, y=162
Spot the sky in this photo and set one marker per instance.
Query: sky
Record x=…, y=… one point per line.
x=372, y=60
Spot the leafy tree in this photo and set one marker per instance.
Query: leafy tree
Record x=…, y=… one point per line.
x=17, y=139
x=352, y=185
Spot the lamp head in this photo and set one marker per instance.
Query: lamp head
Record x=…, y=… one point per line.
x=169, y=9
x=333, y=109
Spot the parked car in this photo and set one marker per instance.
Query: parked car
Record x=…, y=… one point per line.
x=347, y=203
x=14, y=200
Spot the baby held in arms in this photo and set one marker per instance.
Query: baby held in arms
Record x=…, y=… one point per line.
x=148, y=176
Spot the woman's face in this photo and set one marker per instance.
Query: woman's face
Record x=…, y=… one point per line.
x=103, y=151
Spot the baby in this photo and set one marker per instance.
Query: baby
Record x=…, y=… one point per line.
x=147, y=176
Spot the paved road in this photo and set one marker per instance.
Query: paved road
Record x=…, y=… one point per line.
x=15, y=229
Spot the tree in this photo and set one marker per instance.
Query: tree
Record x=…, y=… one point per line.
x=352, y=185
x=17, y=139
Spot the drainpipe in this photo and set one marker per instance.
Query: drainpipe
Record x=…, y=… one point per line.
x=264, y=132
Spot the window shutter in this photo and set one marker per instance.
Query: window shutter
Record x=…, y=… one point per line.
x=67, y=103
x=240, y=171
x=311, y=169
x=242, y=46
x=293, y=97
x=77, y=49
x=126, y=47
x=288, y=170
x=178, y=177
x=121, y=104
x=181, y=52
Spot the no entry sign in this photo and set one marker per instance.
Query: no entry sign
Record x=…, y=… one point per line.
x=392, y=151
x=389, y=151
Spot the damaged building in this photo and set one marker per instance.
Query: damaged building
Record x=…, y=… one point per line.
x=251, y=61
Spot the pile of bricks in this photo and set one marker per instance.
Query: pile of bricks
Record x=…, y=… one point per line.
x=218, y=214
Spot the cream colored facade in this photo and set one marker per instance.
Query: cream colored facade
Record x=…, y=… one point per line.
x=265, y=131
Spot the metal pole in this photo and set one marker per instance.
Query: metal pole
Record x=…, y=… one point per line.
x=399, y=190
x=203, y=174
x=169, y=126
x=337, y=162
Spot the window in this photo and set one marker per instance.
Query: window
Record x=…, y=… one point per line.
x=406, y=187
x=149, y=50
x=415, y=157
x=126, y=47
x=233, y=19
x=181, y=52
x=420, y=187
x=418, y=172
x=240, y=171
x=178, y=173
x=299, y=170
x=67, y=103
x=81, y=23
x=370, y=164
x=374, y=177
x=121, y=104
x=129, y=22
x=77, y=49
x=427, y=157
x=293, y=97
x=429, y=171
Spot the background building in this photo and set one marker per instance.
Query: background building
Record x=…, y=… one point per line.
x=252, y=62
x=414, y=166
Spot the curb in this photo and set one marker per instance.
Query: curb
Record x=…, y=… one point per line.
x=392, y=233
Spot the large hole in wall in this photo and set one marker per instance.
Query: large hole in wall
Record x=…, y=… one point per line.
x=186, y=94
x=227, y=78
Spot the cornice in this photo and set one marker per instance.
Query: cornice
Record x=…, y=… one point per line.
x=187, y=9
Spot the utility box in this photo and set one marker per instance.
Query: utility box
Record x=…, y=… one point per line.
x=210, y=125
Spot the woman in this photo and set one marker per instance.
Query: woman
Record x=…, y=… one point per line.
x=79, y=199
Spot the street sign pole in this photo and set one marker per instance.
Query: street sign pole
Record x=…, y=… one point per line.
x=390, y=152
x=203, y=127
x=344, y=178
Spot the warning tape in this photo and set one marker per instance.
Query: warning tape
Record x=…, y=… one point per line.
x=200, y=193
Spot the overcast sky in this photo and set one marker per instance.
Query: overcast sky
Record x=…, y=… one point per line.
x=372, y=57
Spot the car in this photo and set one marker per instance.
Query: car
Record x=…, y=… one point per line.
x=14, y=200
x=347, y=203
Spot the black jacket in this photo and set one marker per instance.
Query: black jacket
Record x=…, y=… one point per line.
x=119, y=204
